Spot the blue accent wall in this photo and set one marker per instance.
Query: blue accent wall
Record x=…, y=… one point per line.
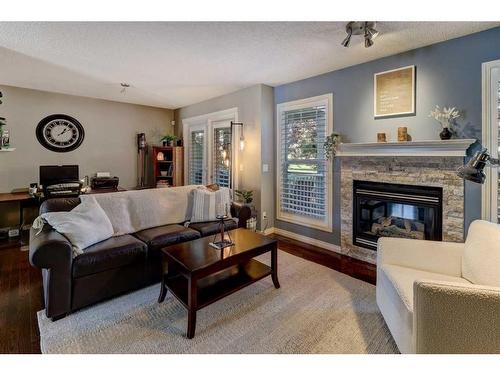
x=448, y=74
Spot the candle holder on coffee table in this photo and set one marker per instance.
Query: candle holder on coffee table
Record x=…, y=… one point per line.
x=223, y=242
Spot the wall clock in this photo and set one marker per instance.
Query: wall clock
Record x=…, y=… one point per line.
x=60, y=133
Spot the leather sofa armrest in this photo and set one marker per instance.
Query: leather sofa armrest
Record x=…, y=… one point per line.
x=52, y=252
x=242, y=212
x=49, y=249
x=456, y=318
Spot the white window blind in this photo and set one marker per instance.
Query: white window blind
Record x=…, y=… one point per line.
x=196, y=157
x=303, y=169
x=221, y=170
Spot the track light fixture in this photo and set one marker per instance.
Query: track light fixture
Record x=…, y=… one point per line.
x=364, y=28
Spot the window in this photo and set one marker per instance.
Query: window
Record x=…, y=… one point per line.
x=304, y=174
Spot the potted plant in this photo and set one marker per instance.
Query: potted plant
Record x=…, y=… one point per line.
x=331, y=143
x=446, y=117
x=245, y=196
x=169, y=140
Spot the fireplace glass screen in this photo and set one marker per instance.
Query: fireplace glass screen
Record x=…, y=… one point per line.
x=392, y=210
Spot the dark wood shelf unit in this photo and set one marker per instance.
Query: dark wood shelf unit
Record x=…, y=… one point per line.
x=172, y=163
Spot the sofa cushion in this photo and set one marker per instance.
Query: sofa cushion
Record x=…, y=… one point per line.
x=112, y=253
x=84, y=226
x=403, y=278
x=481, y=259
x=208, y=204
x=211, y=227
x=165, y=235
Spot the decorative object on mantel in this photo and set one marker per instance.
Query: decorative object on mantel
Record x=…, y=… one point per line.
x=473, y=170
x=331, y=144
x=402, y=134
x=446, y=118
x=394, y=92
x=169, y=140
x=381, y=138
x=452, y=147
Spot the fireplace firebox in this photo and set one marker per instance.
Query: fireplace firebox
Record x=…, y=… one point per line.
x=395, y=210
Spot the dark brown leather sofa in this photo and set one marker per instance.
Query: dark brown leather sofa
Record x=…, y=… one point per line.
x=108, y=268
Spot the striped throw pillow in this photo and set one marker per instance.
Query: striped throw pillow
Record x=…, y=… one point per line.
x=206, y=204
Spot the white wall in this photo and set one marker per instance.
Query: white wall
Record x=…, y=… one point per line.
x=110, y=135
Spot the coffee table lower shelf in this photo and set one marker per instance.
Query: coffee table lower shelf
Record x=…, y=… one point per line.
x=219, y=285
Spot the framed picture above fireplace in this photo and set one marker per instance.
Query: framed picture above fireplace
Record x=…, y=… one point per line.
x=394, y=92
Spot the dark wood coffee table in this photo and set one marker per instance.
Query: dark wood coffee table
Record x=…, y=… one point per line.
x=198, y=274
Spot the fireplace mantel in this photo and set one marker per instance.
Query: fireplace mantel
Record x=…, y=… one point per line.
x=451, y=147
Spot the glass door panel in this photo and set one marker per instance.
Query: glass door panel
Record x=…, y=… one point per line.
x=197, y=157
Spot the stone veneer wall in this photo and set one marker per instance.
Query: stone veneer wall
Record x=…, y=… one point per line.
x=423, y=171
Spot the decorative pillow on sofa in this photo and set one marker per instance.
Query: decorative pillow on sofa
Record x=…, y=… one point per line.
x=83, y=226
x=481, y=259
x=207, y=204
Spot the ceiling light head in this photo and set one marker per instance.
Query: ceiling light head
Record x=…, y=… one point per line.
x=347, y=41
x=368, y=42
x=372, y=33
x=124, y=87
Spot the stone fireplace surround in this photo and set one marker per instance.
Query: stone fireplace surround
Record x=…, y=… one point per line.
x=400, y=163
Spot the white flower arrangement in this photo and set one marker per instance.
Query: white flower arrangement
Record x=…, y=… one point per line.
x=445, y=116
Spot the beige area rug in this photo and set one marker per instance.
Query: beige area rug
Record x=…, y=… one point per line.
x=316, y=310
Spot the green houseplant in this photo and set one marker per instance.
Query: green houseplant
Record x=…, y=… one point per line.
x=331, y=144
x=169, y=140
x=246, y=196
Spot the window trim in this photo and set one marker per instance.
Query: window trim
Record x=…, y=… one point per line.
x=489, y=193
x=324, y=225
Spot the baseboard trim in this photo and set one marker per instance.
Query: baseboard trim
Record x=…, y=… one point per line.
x=268, y=231
x=305, y=239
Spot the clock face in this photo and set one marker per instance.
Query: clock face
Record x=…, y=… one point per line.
x=60, y=133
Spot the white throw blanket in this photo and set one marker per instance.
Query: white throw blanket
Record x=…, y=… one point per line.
x=135, y=210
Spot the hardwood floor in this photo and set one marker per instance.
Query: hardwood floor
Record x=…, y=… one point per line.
x=20, y=299
x=21, y=290
x=342, y=263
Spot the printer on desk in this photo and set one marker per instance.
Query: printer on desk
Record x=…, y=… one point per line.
x=103, y=180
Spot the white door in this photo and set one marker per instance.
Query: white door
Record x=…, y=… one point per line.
x=491, y=139
x=209, y=151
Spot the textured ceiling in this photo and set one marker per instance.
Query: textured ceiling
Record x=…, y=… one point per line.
x=171, y=64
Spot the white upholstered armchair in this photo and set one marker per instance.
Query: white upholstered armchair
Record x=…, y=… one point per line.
x=442, y=297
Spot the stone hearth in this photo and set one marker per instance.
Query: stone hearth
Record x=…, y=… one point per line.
x=409, y=170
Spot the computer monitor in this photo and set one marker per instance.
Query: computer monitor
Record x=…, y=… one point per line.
x=56, y=174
